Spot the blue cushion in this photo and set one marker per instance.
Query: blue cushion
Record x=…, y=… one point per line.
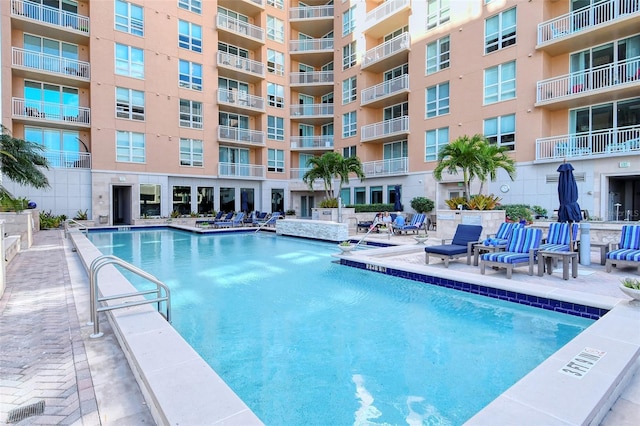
x=506, y=257
x=447, y=249
x=524, y=239
x=630, y=238
x=624, y=254
x=466, y=234
x=554, y=247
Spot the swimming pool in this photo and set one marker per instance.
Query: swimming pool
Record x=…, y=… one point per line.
x=304, y=340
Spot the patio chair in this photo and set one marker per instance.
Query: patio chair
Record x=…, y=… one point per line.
x=461, y=244
x=237, y=220
x=259, y=218
x=627, y=251
x=365, y=224
x=521, y=249
x=208, y=222
x=417, y=222
x=501, y=237
x=558, y=238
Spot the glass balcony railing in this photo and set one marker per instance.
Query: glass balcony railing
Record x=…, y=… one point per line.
x=596, y=14
x=49, y=111
x=395, y=126
x=585, y=145
x=393, y=166
x=49, y=63
x=35, y=11
x=311, y=45
x=245, y=136
x=311, y=12
x=313, y=77
x=387, y=88
x=240, y=63
x=241, y=170
x=312, y=110
x=297, y=173
x=387, y=49
x=312, y=142
x=589, y=80
x=68, y=159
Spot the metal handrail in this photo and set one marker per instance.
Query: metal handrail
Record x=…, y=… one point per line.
x=81, y=227
x=105, y=260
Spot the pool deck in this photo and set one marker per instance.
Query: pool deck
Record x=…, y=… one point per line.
x=46, y=353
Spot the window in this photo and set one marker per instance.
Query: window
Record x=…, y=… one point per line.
x=150, y=196
x=345, y=196
x=275, y=128
x=434, y=141
x=349, y=55
x=349, y=90
x=57, y=140
x=394, y=150
x=129, y=61
x=194, y=6
x=396, y=33
x=189, y=36
x=278, y=4
x=190, y=152
x=275, y=95
x=236, y=121
x=375, y=195
x=348, y=21
x=190, y=114
x=500, y=83
x=437, y=13
x=190, y=75
x=129, y=18
x=129, y=104
x=437, y=100
x=275, y=160
x=438, y=55
x=349, y=151
x=275, y=62
x=360, y=195
x=501, y=130
x=130, y=147
x=349, y=124
x=56, y=102
x=275, y=29
x=500, y=31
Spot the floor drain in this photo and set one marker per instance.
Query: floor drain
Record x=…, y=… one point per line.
x=18, y=414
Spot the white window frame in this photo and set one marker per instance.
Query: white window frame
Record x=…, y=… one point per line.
x=275, y=160
x=503, y=86
x=275, y=62
x=504, y=36
x=191, y=152
x=194, y=6
x=129, y=65
x=349, y=90
x=189, y=40
x=190, y=79
x=350, y=151
x=438, y=55
x=278, y=4
x=130, y=104
x=131, y=20
x=275, y=95
x=190, y=114
x=349, y=21
x=275, y=29
x=130, y=147
x=349, y=124
x=438, y=13
x=440, y=139
x=438, y=104
x=505, y=131
x=349, y=55
x=275, y=128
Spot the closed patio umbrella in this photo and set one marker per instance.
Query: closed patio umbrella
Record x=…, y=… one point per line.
x=569, y=210
x=397, y=205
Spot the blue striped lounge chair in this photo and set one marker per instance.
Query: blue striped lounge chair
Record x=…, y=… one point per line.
x=207, y=222
x=558, y=238
x=501, y=237
x=461, y=244
x=237, y=220
x=417, y=222
x=521, y=249
x=627, y=251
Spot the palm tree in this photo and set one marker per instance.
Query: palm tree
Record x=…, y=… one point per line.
x=495, y=157
x=21, y=161
x=461, y=154
x=329, y=166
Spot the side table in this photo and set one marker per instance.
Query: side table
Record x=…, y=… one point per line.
x=545, y=260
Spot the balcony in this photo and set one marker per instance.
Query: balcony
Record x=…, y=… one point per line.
x=245, y=7
x=387, y=17
x=588, y=145
x=241, y=137
x=230, y=65
x=68, y=159
x=314, y=83
x=297, y=174
x=385, y=131
x=35, y=64
x=593, y=85
x=395, y=166
x=387, y=93
x=589, y=26
x=312, y=20
x=51, y=113
x=241, y=102
x=315, y=52
x=241, y=171
x=239, y=33
x=388, y=55
x=312, y=113
x=312, y=143
x=62, y=25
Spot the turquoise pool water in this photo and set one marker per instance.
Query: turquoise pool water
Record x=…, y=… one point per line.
x=303, y=340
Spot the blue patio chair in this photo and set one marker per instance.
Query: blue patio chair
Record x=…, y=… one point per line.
x=237, y=220
x=501, y=237
x=558, y=237
x=521, y=249
x=461, y=244
x=207, y=222
x=627, y=251
x=417, y=222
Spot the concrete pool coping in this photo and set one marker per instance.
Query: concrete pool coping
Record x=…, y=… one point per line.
x=178, y=386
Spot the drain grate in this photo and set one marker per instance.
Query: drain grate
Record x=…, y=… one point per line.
x=18, y=414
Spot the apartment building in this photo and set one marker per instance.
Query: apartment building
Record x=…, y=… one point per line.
x=149, y=107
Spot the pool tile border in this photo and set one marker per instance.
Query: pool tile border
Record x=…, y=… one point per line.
x=576, y=309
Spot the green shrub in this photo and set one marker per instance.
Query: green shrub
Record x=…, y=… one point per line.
x=50, y=221
x=81, y=215
x=329, y=203
x=517, y=212
x=422, y=204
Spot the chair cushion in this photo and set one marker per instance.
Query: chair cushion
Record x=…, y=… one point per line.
x=624, y=254
x=504, y=231
x=466, y=234
x=446, y=249
x=554, y=247
x=524, y=239
x=506, y=257
x=630, y=238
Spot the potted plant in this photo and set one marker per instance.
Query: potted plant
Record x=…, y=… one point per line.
x=540, y=212
x=631, y=287
x=346, y=246
x=290, y=212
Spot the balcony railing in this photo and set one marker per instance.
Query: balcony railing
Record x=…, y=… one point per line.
x=241, y=170
x=49, y=15
x=311, y=45
x=298, y=173
x=245, y=64
x=243, y=99
x=387, y=49
x=585, y=18
x=387, y=88
x=68, y=159
x=312, y=142
x=394, y=166
x=246, y=136
x=312, y=12
x=49, y=63
x=385, y=128
x=239, y=27
x=383, y=11
x=622, y=140
x=314, y=77
x=50, y=111
x=312, y=110
x=584, y=81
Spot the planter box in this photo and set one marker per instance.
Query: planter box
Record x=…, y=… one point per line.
x=448, y=221
x=22, y=224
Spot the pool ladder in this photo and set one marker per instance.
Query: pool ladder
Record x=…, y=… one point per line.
x=161, y=291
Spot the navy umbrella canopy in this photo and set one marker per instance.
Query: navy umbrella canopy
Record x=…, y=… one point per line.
x=569, y=210
x=397, y=205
